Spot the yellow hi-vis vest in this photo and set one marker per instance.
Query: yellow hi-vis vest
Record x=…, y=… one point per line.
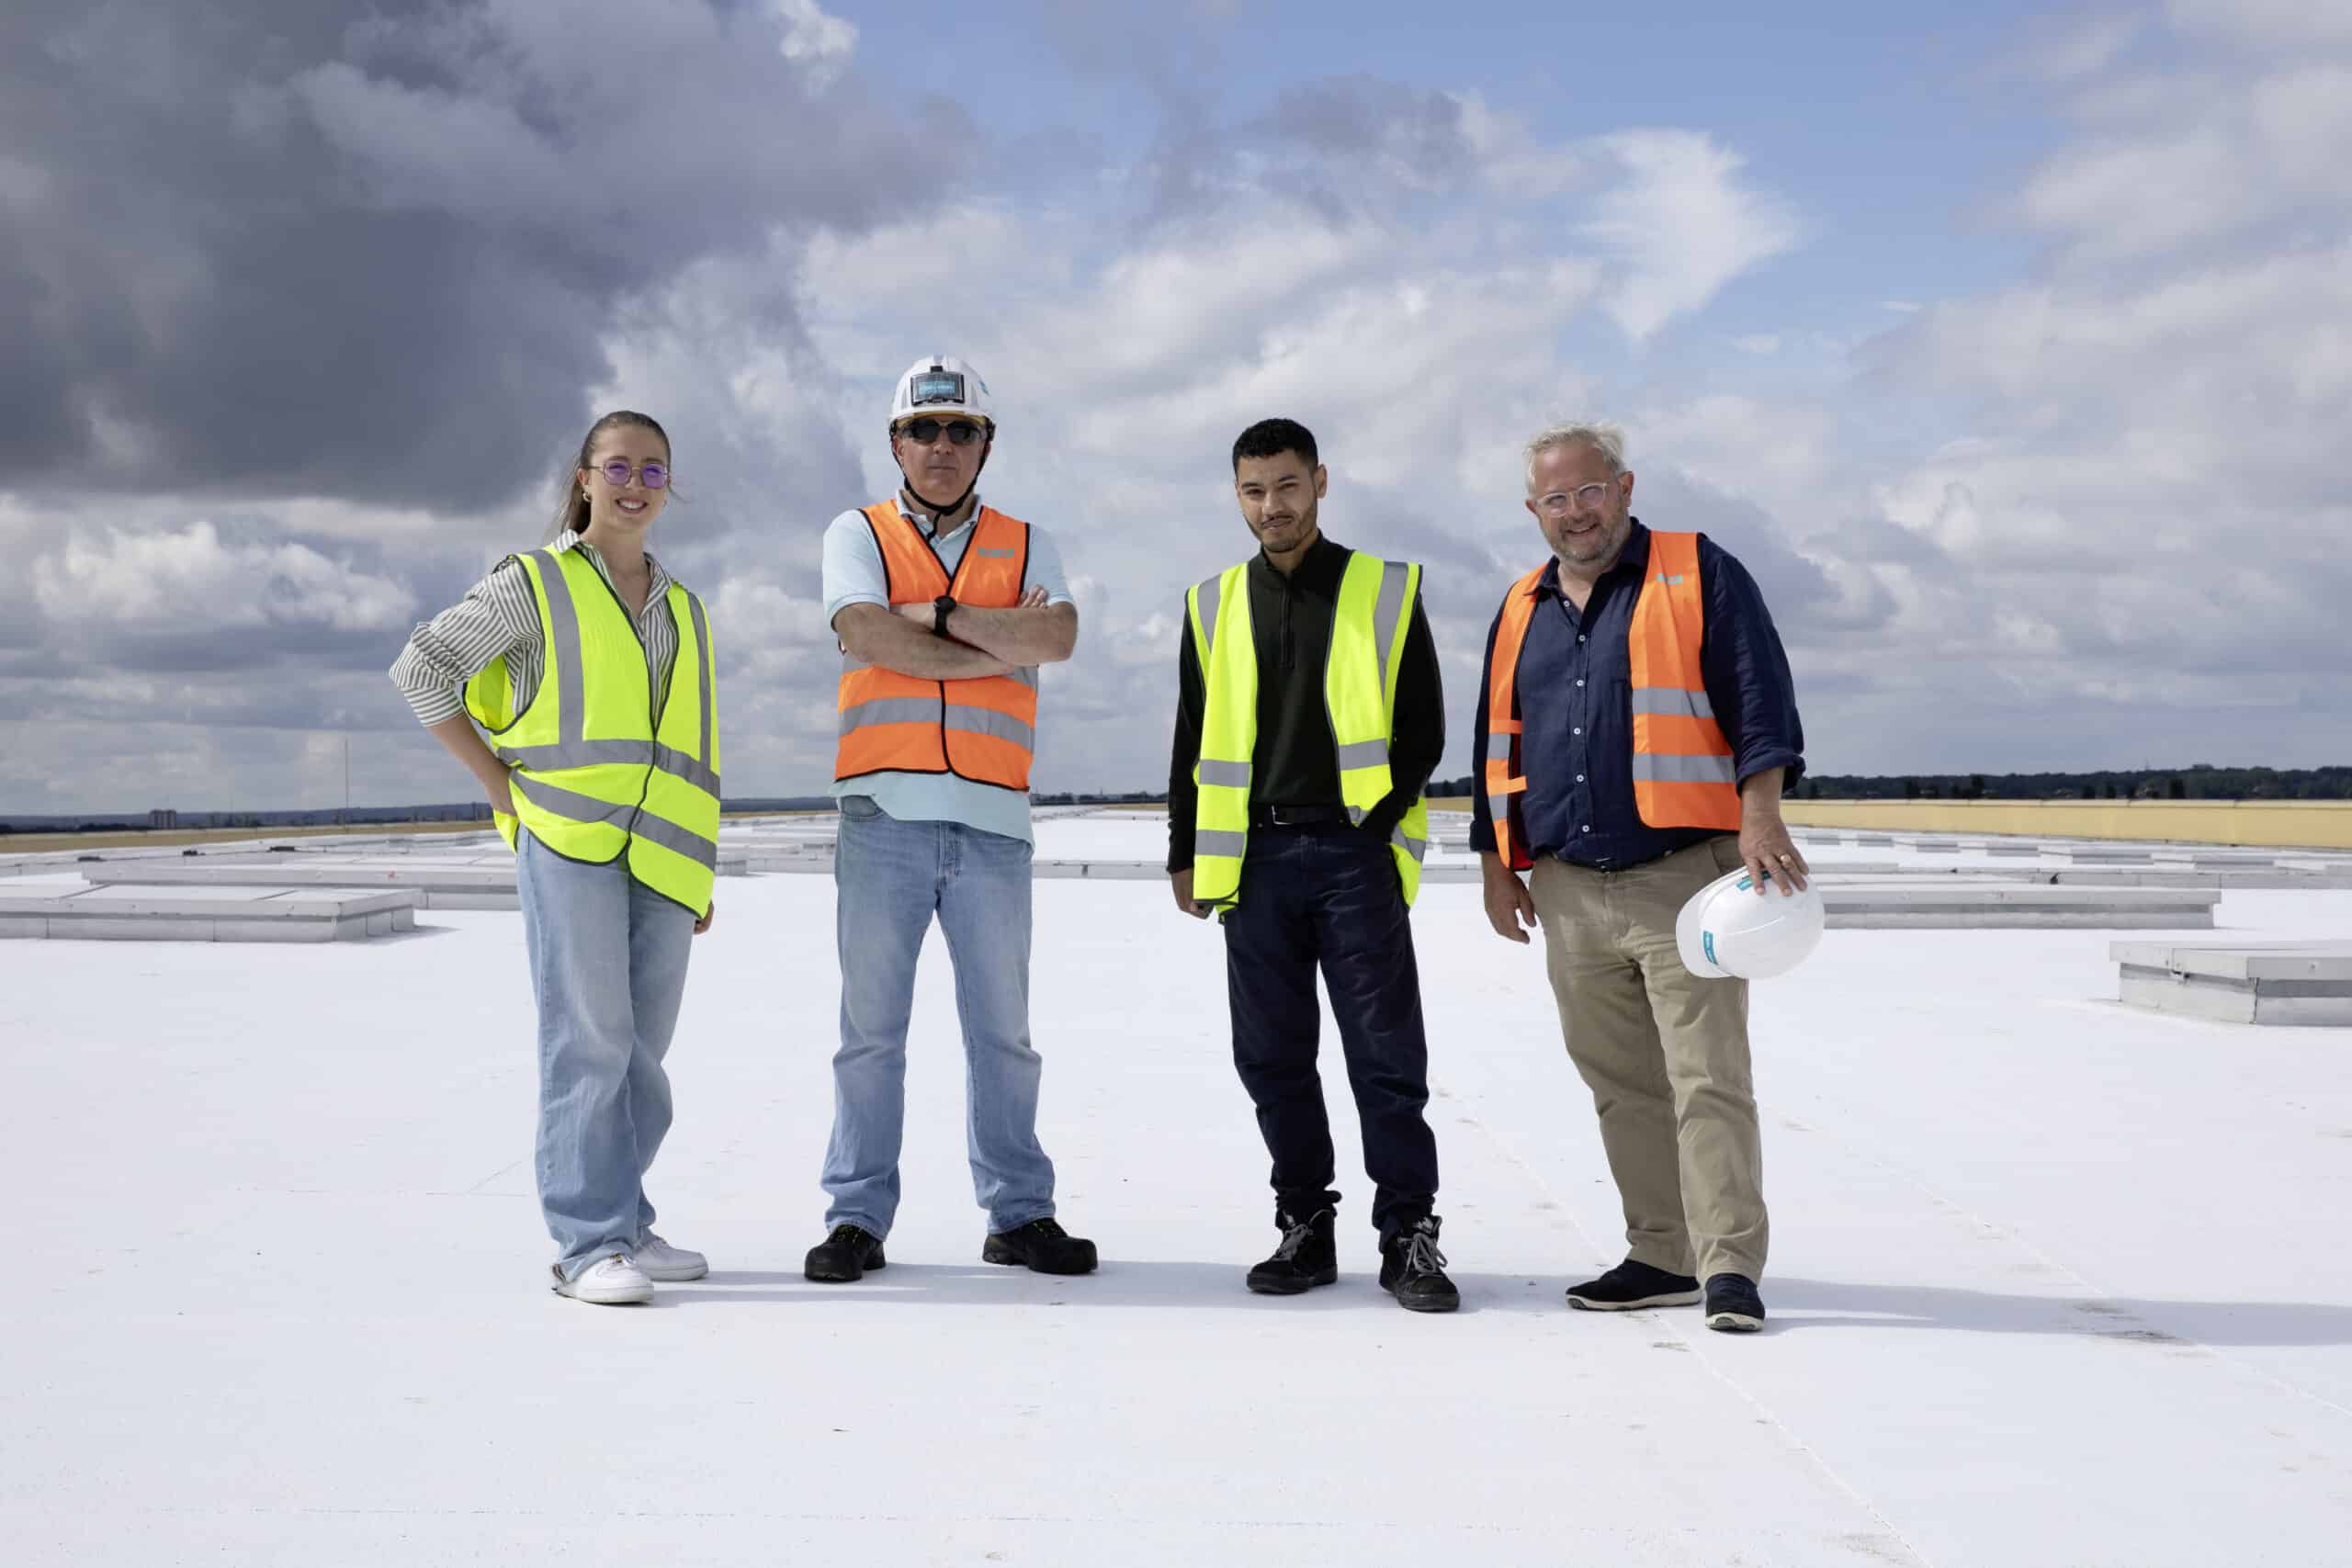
x=1368, y=632
x=598, y=773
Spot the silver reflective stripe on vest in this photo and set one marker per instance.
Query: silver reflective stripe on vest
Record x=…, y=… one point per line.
x=1658, y=769
x=1208, y=842
x=570, y=805
x=676, y=840
x=1384, y=612
x=1417, y=847
x=563, y=617
x=578, y=754
x=702, y=662
x=890, y=710
x=1225, y=775
x=676, y=764
x=1208, y=596
x=612, y=753
x=1364, y=754
x=988, y=721
x=1672, y=702
x=1498, y=748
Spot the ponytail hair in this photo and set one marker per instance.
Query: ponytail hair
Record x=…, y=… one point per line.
x=571, y=505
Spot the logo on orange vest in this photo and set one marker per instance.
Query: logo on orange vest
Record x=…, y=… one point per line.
x=1674, y=581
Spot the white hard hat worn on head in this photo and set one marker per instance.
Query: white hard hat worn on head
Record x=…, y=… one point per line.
x=1725, y=932
x=941, y=386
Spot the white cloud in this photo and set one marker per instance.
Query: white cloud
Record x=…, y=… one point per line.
x=1683, y=224
x=820, y=43
x=192, y=578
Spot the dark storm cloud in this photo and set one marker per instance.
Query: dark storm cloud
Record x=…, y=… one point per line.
x=373, y=251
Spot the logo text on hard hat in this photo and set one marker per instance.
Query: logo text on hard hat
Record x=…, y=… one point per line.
x=1707, y=942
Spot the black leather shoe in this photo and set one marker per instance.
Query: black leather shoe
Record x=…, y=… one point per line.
x=1631, y=1286
x=1306, y=1256
x=1042, y=1247
x=1733, y=1305
x=845, y=1255
x=1413, y=1270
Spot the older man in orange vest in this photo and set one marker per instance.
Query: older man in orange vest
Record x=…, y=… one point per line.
x=945, y=607
x=1635, y=729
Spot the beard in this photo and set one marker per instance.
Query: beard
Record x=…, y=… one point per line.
x=1300, y=526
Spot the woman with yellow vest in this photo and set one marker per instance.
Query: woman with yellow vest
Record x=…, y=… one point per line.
x=1636, y=727
x=1308, y=717
x=590, y=669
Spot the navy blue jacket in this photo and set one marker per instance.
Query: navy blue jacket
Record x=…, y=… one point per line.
x=1575, y=693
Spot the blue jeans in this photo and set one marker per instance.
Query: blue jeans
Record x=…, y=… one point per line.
x=892, y=877
x=608, y=966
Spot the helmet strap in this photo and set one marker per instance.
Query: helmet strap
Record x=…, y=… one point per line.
x=949, y=509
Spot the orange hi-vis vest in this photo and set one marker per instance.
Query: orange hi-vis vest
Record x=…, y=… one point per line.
x=1683, y=775
x=983, y=730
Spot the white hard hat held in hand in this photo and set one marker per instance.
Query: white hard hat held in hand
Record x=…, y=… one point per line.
x=1725, y=932
x=941, y=386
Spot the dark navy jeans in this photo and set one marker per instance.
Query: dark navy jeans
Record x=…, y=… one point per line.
x=1328, y=897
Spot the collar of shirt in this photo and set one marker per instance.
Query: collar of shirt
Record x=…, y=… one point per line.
x=929, y=526
x=1316, y=572
x=1635, y=557
x=657, y=585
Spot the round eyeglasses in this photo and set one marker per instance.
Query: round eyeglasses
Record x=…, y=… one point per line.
x=653, y=471
x=1560, y=503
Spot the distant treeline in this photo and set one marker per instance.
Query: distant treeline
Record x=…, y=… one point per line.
x=2203, y=782
x=2200, y=783
x=339, y=817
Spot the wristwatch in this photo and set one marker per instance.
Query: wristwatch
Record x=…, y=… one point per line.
x=939, y=608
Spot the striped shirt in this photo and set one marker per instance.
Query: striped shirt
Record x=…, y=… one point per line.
x=500, y=615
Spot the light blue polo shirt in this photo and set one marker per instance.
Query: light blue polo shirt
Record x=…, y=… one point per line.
x=854, y=575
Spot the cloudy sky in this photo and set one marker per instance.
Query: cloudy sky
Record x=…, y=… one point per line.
x=2012, y=352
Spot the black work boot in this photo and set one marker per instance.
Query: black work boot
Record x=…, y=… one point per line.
x=1413, y=1270
x=1042, y=1246
x=1733, y=1305
x=845, y=1255
x=1630, y=1286
x=1306, y=1256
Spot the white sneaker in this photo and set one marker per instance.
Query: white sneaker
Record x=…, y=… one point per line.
x=659, y=1261
x=608, y=1281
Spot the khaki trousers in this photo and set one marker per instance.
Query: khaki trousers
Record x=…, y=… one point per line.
x=1666, y=1057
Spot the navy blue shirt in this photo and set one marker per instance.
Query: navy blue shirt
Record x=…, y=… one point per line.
x=1575, y=696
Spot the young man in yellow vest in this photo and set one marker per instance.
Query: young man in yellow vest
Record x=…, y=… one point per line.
x=1635, y=728
x=943, y=607
x=1308, y=717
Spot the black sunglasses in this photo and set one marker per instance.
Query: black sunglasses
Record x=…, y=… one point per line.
x=924, y=431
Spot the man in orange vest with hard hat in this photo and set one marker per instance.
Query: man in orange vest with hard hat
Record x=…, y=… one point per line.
x=943, y=608
x=1635, y=728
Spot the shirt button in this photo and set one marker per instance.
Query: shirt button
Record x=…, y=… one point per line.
x=1579, y=682
x=1579, y=778
x=1579, y=636
x=1585, y=828
x=1576, y=732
